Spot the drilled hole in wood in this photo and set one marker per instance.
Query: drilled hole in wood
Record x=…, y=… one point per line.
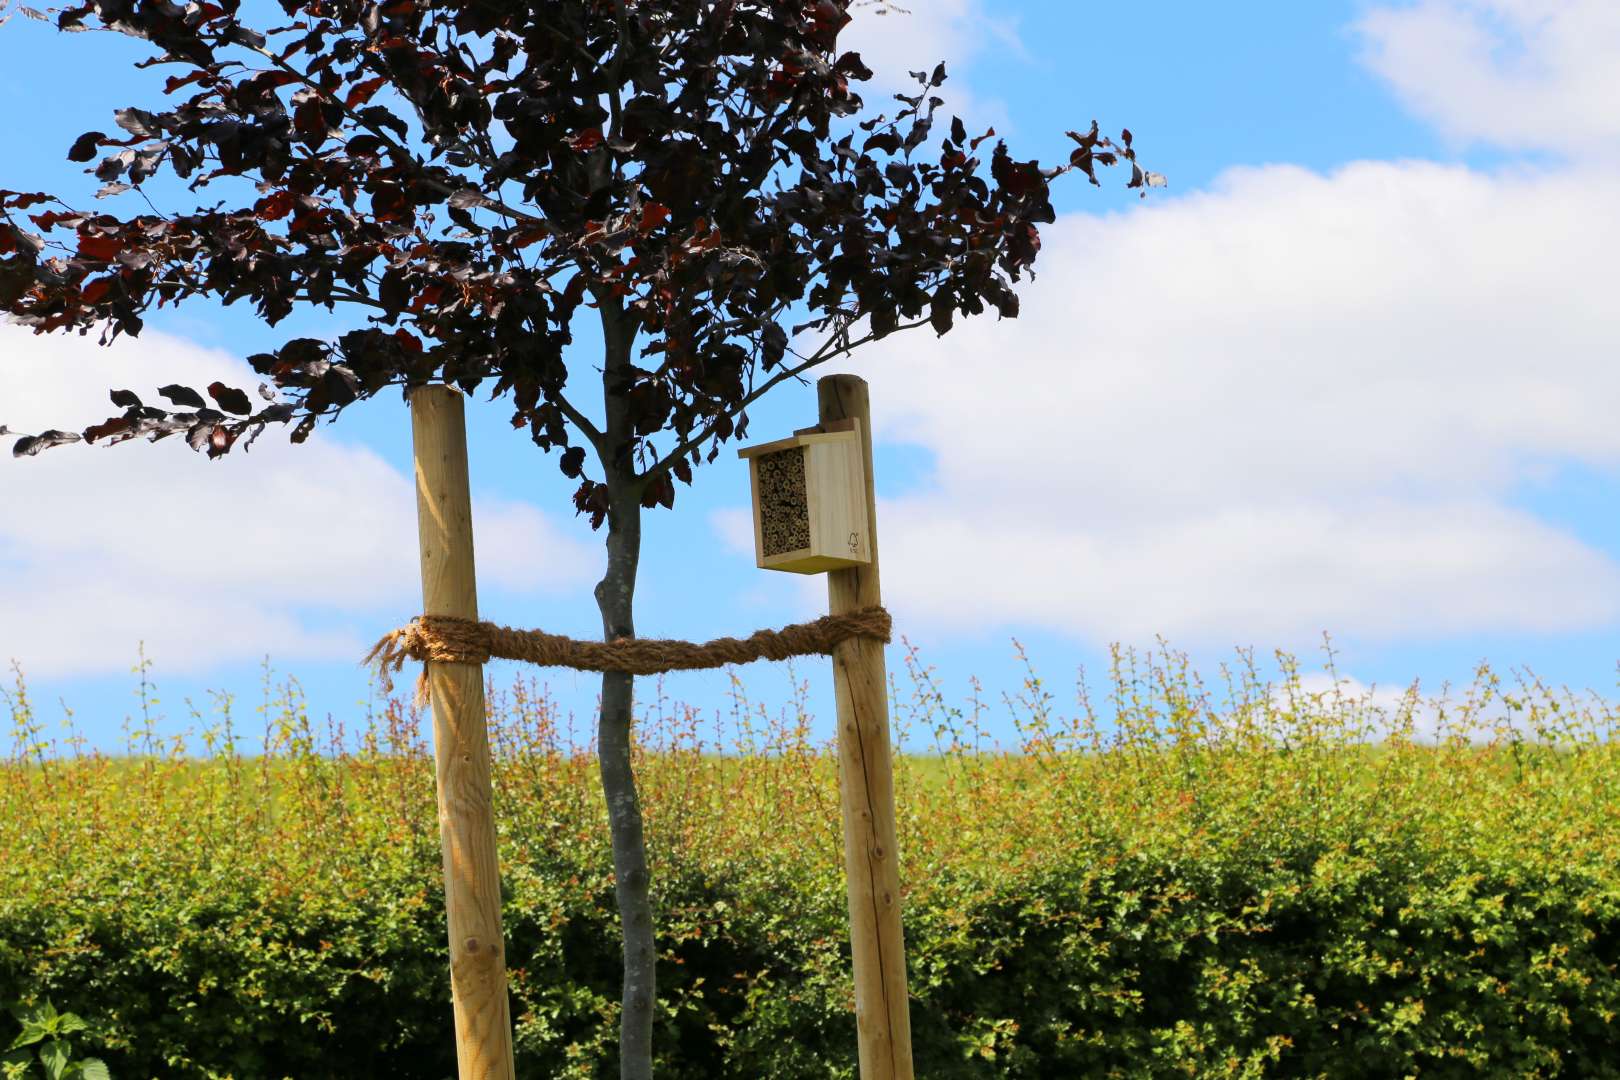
x=784, y=502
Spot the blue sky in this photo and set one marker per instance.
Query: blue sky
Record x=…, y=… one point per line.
x=1349, y=372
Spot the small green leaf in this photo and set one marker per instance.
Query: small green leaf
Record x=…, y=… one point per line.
x=69, y=1023
x=94, y=1069
x=54, y=1055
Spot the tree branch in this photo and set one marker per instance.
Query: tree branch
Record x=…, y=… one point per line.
x=827, y=351
x=581, y=421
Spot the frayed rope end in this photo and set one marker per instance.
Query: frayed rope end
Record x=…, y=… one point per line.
x=389, y=656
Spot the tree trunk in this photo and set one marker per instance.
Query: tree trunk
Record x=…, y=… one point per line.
x=615, y=597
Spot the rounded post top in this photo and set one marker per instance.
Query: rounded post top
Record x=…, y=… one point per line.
x=432, y=390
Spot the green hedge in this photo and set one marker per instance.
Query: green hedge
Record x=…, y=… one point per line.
x=1255, y=894
x=1374, y=961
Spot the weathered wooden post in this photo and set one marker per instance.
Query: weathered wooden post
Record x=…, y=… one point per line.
x=815, y=511
x=866, y=782
x=472, y=882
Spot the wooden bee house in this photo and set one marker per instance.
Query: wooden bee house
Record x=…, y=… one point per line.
x=810, y=500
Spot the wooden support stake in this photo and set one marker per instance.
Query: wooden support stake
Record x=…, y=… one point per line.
x=866, y=786
x=472, y=880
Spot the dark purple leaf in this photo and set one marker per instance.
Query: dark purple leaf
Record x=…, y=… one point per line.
x=200, y=436
x=244, y=36
x=29, y=445
x=115, y=426
x=773, y=341
x=84, y=147
x=183, y=396
x=230, y=399
x=138, y=122
x=573, y=461
x=468, y=198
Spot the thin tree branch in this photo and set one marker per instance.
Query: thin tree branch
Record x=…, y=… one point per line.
x=581, y=421
x=829, y=349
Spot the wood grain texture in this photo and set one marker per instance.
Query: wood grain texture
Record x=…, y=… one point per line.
x=866, y=784
x=472, y=880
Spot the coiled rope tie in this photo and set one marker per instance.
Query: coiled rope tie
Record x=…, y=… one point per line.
x=447, y=640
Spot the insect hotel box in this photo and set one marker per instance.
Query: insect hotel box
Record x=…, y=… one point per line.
x=810, y=500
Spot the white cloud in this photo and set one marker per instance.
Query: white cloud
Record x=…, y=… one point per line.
x=1472, y=712
x=275, y=551
x=1374, y=711
x=1243, y=575
x=1514, y=73
x=1293, y=403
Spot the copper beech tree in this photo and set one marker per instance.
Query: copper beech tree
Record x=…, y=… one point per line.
x=700, y=174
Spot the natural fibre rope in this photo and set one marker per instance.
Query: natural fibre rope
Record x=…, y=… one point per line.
x=449, y=640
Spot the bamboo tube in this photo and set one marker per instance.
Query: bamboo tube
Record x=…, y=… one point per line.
x=866, y=786
x=472, y=883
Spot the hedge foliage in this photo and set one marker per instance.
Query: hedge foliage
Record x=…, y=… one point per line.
x=1289, y=884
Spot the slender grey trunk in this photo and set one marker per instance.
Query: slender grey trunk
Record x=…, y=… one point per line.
x=615, y=597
